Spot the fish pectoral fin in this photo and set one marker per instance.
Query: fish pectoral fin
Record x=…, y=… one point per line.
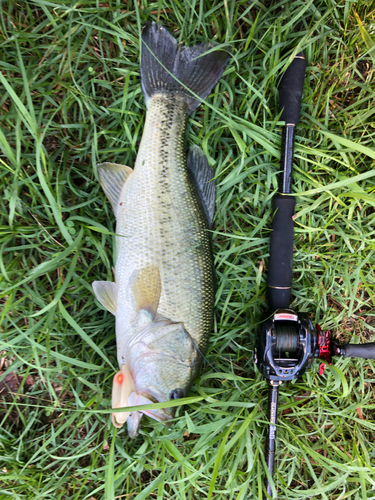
x=106, y=293
x=203, y=178
x=112, y=178
x=145, y=285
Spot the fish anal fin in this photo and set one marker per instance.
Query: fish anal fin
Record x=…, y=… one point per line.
x=106, y=293
x=112, y=178
x=146, y=288
x=202, y=176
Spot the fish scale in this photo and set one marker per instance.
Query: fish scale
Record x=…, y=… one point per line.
x=161, y=222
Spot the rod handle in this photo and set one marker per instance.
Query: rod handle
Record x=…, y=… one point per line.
x=366, y=351
x=280, y=267
x=290, y=90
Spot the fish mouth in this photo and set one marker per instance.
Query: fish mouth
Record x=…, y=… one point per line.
x=124, y=394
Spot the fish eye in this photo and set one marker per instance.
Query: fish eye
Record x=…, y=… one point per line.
x=177, y=394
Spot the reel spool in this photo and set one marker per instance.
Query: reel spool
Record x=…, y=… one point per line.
x=287, y=338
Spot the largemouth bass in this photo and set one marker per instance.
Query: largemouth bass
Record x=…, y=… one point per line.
x=163, y=294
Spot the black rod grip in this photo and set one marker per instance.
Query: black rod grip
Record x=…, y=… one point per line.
x=290, y=90
x=280, y=267
x=286, y=160
x=273, y=404
x=366, y=351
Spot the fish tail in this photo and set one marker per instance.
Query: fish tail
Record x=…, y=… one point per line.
x=168, y=68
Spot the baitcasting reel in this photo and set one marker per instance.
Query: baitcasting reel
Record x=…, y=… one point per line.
x=286, y=346
x=288, y=343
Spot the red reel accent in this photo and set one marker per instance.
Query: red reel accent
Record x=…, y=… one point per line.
x=325, y=348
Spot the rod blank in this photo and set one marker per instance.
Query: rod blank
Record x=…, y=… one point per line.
x=273, y=406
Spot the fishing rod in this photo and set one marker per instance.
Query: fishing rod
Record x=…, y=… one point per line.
x=287, y=341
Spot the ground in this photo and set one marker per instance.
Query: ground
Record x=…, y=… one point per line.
x=71, y=97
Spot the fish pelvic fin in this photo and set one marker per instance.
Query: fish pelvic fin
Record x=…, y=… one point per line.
x=203, y=178
x=146, y=288
x=112, y=178
x=167, y=67
x=106, y=293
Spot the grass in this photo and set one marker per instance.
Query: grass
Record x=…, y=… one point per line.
x=70, y=97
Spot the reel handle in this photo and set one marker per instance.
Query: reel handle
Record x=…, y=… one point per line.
x=366, y=351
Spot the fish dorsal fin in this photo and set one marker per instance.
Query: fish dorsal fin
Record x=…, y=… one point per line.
x=146, y=288
x=106, y=293
x=202, y=175
x=112, y=178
